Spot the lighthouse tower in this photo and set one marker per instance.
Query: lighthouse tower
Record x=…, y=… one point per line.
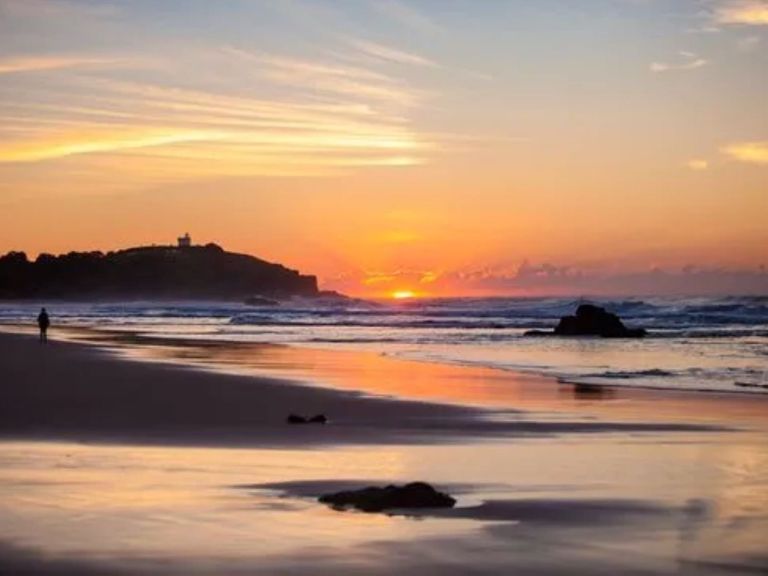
x=185, y=241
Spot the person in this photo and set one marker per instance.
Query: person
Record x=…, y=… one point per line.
x=43, y=321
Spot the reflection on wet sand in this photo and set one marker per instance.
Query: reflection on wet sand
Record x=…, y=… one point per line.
x=595, y=506
x=589, y=391
x=387, y=376
x=657, y=486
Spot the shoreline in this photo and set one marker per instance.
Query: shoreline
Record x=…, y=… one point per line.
x=83, y=392
x=465, y=385
x=135, y=344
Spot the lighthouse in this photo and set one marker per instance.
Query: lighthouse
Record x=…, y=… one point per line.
x=185, y=241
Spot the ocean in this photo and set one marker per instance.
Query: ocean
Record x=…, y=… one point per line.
x=696, y=344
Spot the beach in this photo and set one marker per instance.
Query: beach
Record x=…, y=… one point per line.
x=127, y=455
x=383, y=287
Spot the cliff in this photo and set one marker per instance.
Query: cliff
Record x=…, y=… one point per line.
x=152, y=272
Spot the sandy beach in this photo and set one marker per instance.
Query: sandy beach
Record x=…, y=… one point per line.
x=80, y=392
x=122, y=456
x=383, y=287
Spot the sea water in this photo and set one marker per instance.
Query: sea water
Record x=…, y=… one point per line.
x=698, y=344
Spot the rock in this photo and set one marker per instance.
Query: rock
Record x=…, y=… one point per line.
x=296, y=419
x=592, y=320
x=374, y=499
x=751, y=385
x=538, y=333
x=260, y=301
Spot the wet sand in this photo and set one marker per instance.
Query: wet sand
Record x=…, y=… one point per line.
x=173, y=458
x=72, y=391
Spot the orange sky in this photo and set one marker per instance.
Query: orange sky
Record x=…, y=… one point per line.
x=388, y=146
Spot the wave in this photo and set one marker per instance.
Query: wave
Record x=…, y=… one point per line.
x=712, y=379
x=319, y=340
x=681, y=318
x=465, y=323
x=724, y=337
x=706, y=333
x=628, y=374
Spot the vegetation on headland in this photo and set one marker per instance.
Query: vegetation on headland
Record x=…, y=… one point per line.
x=150, y=272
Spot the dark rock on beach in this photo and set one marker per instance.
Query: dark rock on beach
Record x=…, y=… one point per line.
x=375, y=499
x=591, y=320
x=296, y=419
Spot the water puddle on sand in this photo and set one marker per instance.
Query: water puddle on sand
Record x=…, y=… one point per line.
x=618, y=501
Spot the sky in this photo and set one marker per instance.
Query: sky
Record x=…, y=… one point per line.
x=433, y=147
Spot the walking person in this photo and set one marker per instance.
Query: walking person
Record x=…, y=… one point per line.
x=43, y=321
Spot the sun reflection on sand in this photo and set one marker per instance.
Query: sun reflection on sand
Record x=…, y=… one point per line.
x=397, y=376
x=191, y=505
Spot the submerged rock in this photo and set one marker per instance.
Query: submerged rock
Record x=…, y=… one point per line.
x=260, y=301
x=591, y=320
x=375, y=499
x=538, y=333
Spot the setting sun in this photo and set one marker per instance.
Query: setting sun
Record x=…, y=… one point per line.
x=403, y=294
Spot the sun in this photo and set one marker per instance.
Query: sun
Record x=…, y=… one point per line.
x=403, y=294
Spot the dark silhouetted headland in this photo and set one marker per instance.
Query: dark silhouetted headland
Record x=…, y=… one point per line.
x=150, y=272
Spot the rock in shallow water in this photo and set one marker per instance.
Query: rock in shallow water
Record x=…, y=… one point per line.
x=591, y=320
x=595, y=321
x=375, y=499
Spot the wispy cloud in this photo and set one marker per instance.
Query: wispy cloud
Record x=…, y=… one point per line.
x=390, y=54
x=34, y=151
x=406, y=15
x=555, y=279
x=697, y=164
x=687, y=61
x=59, y=8
x=325, y=118
x=351, y=81
x=41, y=63
x=746, y=12
x=552, y=279
x=749, y=152
x=748, y=44
x=390, y=279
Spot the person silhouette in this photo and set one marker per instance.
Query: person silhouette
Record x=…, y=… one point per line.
x=43, y=321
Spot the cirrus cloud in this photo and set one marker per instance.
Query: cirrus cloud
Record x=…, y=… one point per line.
x=43, y=63
x=697, y=164
x=748, y=152
x=688, y=61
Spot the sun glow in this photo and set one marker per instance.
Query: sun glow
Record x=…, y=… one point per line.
x=403, y=294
